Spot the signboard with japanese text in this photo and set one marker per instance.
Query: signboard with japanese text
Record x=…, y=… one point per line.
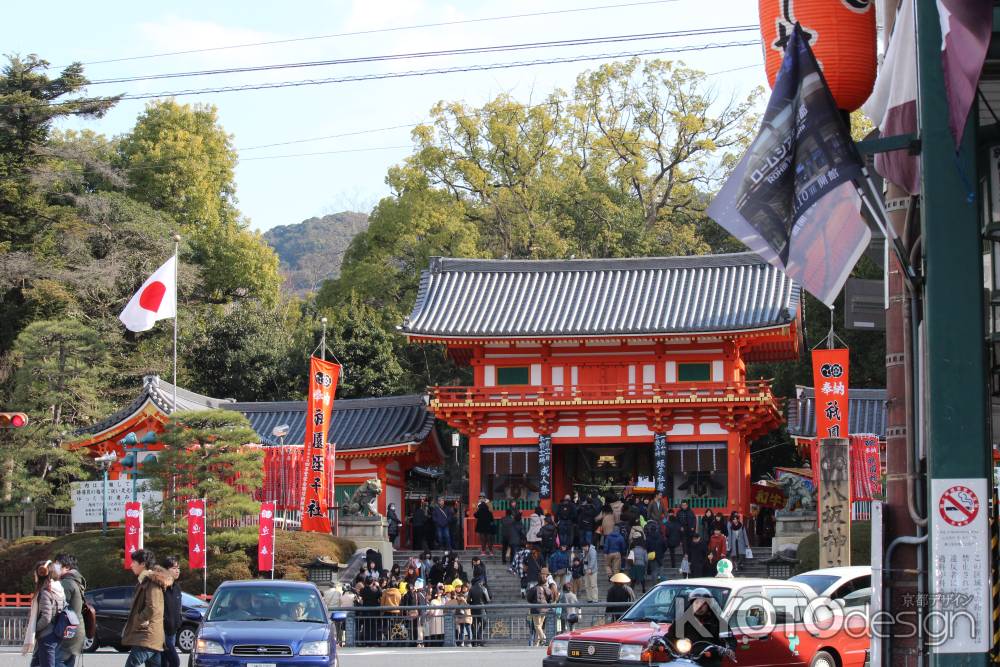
x=88, y=499
x=196, y=534
x=834, y=504
x=660, y=461
x=323, y=377
x=133, y=530
x=767, y=496
x=265, y=538
x=960, y=564
x=830, y=379
x=544, y=466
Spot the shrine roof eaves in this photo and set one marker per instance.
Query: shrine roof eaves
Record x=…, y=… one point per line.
x=867, y=412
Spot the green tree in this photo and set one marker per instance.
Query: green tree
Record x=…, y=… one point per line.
x=59, y=369
x=365, y=351
x=206, y=455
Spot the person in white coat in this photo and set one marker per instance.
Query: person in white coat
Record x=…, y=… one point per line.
x=535, y=523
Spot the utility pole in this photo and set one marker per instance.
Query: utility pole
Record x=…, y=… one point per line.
x=957, y=438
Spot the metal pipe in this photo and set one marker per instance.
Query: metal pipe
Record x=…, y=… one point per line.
x=887, y=599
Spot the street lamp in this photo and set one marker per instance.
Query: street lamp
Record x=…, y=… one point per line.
x=105, y=462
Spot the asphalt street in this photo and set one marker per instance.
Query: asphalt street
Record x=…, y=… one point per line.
x=368, y=657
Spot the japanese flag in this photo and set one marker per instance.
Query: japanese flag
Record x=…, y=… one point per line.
x=156, y=299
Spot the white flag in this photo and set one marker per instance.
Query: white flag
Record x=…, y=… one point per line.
x=156, y=299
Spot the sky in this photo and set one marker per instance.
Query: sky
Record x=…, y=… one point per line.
x=278, y=184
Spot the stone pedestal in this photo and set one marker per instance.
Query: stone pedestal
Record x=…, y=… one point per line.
x=368, y=533
x=790, y=528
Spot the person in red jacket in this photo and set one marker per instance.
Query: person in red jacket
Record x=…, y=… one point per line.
x=718, y=546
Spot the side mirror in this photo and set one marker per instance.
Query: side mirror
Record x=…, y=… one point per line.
x=194, y=615
x=338, y=616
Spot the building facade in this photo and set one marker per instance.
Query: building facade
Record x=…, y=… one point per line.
x=612, y=374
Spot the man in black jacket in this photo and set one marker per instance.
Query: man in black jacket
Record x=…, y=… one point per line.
x=418, y=526
x=478, y=595
x=74, y=585
x=511, y=534
x=171, y=613
x=688, y=524
x=698, y=557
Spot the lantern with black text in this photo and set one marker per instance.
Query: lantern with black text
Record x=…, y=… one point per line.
x=841, y=34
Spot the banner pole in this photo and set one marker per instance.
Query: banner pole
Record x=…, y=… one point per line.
x=177, y=244
x=274, y=545
x=866, y=189
x=204, y=535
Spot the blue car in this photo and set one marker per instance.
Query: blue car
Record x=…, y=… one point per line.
x=266, y=624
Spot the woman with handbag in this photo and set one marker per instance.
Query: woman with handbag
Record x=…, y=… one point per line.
x=568, y=602
x=40, y=637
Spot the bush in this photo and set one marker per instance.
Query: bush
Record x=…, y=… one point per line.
x=861, y=547
x=231, y=555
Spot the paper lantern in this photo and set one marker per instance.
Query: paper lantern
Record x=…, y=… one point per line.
x=841, y=34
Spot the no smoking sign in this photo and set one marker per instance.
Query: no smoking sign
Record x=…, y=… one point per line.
x=958, y=505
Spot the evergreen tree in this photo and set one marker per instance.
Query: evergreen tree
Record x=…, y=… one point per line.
x=365, y=351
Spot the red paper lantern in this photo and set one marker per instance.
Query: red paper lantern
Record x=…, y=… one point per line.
x=840, y=32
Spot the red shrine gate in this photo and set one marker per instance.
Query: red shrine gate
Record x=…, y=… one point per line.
x=607, y=374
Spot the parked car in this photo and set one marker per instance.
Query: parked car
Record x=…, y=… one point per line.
x=765, y=620
x=266, y=624
x=112, y=605
x=839, y=583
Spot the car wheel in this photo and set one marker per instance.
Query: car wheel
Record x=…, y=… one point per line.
x=823, y=659
x=90, y=645
x=185, y=639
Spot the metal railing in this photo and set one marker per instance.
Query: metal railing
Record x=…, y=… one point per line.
x=468, y=625
x=13, y=622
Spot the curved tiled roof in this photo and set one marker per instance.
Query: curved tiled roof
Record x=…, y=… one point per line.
x=656, y=295
x=867, y=412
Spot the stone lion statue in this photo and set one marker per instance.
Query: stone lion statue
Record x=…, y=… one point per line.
x=363, y=497
x=797, y=494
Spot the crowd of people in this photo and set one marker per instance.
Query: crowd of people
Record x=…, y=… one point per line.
x=58, y=609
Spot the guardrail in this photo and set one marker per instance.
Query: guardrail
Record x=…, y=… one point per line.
x=467, y=625
x=13, y=621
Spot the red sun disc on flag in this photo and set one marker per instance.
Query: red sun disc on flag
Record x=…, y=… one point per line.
x=958, y=505
x=152, y=296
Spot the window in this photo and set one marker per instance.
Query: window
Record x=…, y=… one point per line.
x=512, y=375
x=694, y=372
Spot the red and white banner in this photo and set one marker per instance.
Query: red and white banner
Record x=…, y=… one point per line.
x=830, y=380
x=323, y=377
x=133, y=531
x=866, y=468
x=265, y=538
x=196, y=534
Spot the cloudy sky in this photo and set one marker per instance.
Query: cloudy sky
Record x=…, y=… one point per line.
x=278, y=184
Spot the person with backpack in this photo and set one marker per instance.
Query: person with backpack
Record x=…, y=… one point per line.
x=143, y=632
x=586, y=522
x=614, y=549
x=171, y=613
x=511, y=534
x=74, y=586
x=566, y=515
x=40, y=637
x=548, y=536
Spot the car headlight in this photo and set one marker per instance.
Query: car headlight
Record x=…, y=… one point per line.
x=208, y=647
x=683, y=646
x=560, y=647
x=315, y=648
x=631, y=652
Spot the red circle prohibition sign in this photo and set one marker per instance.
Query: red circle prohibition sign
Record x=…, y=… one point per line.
x=958, y=505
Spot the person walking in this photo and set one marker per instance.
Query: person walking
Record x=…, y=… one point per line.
x=535, y=523
x=485, y=526
x=738, y=541
x=638, y=561
x=569, y=614
x=697, y=556
x=614, y=550
x=566, y=517
x=688, y=523
x=393, y=524
x=418, y=527
x=655, y=510
x=74, y=586
x=538, y=597
x=548, y=536
x=559, y=564
x=441, y=518
x=672, y=537
x=618, y=593
x=606, y=521
x=586, y=522
x=48, y=600
x=143, y=632
x=511, y=534
x=478, y=597
x=717, y=546
x=590, y=572
x=172, y=609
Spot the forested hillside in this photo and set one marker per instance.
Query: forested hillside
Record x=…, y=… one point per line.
x=312, y=251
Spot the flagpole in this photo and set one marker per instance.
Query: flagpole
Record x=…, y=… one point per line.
x=274, y=542
x=177, y=243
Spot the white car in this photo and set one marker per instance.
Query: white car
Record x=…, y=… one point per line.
x=851, y=584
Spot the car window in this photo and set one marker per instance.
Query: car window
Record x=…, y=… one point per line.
x=267, y=603
x=118, y=597
x=789, y=604
x=858, y=598
x=750, y=612
x=189, y=600
x=660, y=603
x=817, y=582
x=851, y=586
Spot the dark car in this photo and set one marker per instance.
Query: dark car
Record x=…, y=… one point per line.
x=266, y=624
x=112, y=606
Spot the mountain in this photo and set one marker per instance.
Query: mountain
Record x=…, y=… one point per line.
x=312, y=250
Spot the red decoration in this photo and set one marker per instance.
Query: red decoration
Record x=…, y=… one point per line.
x=196, y=534
x=323, y=377
x=842, y=35
x=265, y=538
x=830, y=380
x=133, y=531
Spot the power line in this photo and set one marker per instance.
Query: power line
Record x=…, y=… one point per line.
x=344, y=150
x=582, y=41
x=380, y=30
x=428, y=72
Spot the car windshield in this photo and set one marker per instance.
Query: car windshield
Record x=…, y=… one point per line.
x=267, y=603
x=817, y=582
x=189, y=600
x=659, y=604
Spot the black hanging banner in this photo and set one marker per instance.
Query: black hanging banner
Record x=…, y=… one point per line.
x=660, y=461
x=545, y=466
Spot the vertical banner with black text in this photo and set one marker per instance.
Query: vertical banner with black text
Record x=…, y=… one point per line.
x=196, y=534
x=133, y=530
x=830, y=380
x=323, y=377
x=265, y=538
x=660, y=461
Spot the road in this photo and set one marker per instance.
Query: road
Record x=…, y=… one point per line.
x=368, y=657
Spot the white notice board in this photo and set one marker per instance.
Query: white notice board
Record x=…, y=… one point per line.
x=960, y=567
x=88, y=499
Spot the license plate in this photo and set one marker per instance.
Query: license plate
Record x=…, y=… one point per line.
x=575, y=653
x=262, y=664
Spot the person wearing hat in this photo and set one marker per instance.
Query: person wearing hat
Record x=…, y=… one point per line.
x=700, y=602
x=618, y=593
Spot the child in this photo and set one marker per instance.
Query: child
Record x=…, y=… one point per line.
x=718, y=546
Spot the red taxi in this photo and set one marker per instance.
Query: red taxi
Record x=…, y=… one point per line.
x=770, y=622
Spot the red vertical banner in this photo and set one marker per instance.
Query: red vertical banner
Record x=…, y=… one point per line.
x=830, y=379
x=265, y=538
x=866, y=467
x=133, y=531
x=196, y=534
x=323, y=377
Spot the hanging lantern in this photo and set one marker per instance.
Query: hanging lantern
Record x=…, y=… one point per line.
x=841, y=34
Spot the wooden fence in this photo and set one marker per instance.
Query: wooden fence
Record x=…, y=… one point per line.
x=28, y=522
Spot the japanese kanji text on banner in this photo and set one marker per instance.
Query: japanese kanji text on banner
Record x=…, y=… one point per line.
x=323, y=377
x=133, y=531
x=830, y=379
x=265, y=538
x=196, y=534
